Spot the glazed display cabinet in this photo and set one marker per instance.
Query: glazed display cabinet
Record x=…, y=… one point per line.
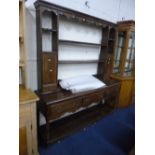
x=124, y=61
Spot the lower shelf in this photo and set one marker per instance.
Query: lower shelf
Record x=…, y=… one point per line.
x=69, y=125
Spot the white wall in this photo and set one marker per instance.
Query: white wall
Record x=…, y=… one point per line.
x=111, y=10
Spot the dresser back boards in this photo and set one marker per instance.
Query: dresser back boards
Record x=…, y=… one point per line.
x=71, y=43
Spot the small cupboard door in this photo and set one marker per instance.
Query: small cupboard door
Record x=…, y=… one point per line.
x=25, y=139
x=49, y=68
x=22, y=141
x=25, y=130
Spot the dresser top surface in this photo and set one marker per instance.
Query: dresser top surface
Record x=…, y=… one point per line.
x=51, y=98
x=26, y=96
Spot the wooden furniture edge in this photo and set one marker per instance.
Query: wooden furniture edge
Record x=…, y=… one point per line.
x=67, y=10
x=121, y=78
x=26, y=96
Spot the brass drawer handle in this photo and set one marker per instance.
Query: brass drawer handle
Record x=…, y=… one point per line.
x=51, y=70
x=49, y=60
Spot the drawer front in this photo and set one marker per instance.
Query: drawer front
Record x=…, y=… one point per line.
x=49, y=68
x=89, y=99
x=57, y=110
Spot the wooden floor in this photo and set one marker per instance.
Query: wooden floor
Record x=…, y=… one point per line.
x=69, y=125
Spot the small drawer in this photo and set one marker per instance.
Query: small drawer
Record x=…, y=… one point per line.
x=57, y=110
x=89, y=99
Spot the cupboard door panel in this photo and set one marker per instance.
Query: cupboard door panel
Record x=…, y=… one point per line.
x=49, y=68
x=22, y=141
x=126, y=93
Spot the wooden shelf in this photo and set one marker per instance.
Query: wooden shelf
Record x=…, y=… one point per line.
x=79, y=61
x=49, y=30
x=78, y=42
x=118, y=76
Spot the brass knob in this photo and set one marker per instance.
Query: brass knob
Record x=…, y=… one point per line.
x=109, y=60
x=49, y=59
x=51, y=70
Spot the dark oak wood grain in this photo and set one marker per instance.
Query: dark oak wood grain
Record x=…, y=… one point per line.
x=61, y=107
x=72, y=14
x=49, y=68
x=55, y=105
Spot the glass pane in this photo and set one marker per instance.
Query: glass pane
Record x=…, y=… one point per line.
x=120, y=41
x=117, y=59
x=131, y=40
x=129, y=64
x=118, y=52
x=116, y=64
x=126, y=66
x=134, y=44
x=128, y=54
x=121, y=37
x=133, y=54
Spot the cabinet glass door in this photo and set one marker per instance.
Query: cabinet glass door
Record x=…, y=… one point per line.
x=130, y=57
x=118, y=52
